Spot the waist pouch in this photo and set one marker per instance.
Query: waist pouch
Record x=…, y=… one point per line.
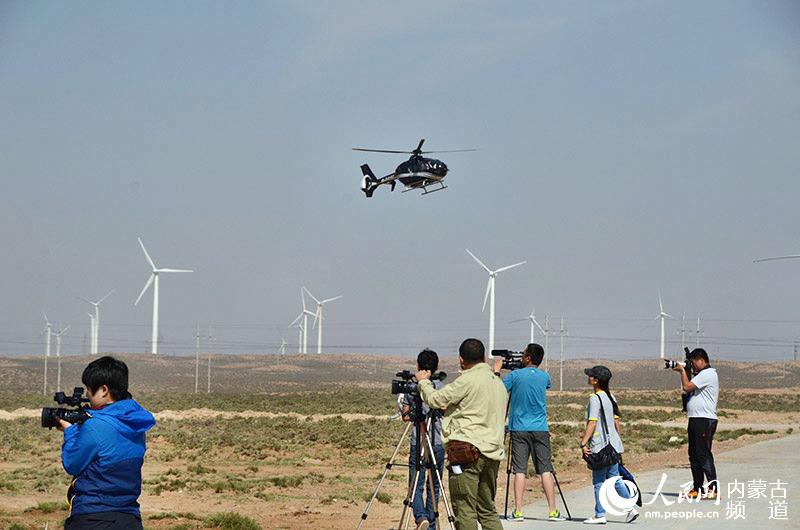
x=460, y=453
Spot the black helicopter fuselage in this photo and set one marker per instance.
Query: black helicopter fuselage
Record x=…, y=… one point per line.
x=419, y=171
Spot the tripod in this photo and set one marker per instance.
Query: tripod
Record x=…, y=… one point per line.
x=424, y=459
x=510, y=442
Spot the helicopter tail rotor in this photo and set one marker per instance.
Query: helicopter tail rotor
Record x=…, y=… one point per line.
x=369, y=183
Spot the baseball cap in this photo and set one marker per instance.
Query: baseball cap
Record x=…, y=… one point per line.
x=600, y=372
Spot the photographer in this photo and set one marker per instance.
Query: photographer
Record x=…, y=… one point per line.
x=105, y=453
x=472, y=430
x=701, y=408
x=424, y=508
x=527, y=423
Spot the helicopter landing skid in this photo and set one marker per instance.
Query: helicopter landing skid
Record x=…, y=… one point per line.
x=426, y=191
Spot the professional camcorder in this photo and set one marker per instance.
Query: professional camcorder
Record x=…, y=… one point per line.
x=50, y=416
x=405, y=383
x=512, y=360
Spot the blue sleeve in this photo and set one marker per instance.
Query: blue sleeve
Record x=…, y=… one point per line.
x=509, y=381
x=79, y=448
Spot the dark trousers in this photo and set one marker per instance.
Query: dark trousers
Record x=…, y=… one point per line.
x=701, y=435
x=104, y=521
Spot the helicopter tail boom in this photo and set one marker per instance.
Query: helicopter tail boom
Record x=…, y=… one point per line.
x=370, y=182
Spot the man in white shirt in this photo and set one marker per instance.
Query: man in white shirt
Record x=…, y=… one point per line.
x=701, y=408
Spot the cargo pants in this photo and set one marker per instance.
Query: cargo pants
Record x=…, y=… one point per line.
x=472, y=493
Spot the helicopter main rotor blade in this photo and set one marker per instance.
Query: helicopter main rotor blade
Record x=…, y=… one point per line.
x=448, y=151
x=419, y=147
x=383, y=151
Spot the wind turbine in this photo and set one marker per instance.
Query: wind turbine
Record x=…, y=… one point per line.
x=318, y=316
x=48, y=331
x=282, y=348
x=58, y=334
x=95, y=330
x=490, y=291
x=300, y=331
x=662, y=316
x=154, y=280
x=534, y=324
x=91, y=333
x=304, y=314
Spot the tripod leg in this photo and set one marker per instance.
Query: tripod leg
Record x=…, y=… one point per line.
x=451, y=518
x=386, y=470
x=563, y=500
x=508, y=473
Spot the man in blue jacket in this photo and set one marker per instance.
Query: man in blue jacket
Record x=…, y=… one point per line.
x=105, y=454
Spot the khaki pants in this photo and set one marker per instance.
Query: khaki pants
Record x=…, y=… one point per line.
x=472, y=494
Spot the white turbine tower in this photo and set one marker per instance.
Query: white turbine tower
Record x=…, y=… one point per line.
x=304, y=314
x=318, y=316
x=154, y=280
x=490, y=293
x=282, y=348
x=94, y=341
x=48, y=331
x=534, y=324
x=58, y=334
x=662, y=316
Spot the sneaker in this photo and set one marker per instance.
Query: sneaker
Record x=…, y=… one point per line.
x=555, y=515
x=595, y=520
x=517, y=516
x=710, y=495
x=632, y=515
x=693, y=494
x=423, y=525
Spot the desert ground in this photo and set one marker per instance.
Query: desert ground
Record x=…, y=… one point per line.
x=284, y=441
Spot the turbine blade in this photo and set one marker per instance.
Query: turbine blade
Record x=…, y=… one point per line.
x=510, y=266
x=660, y=305
x=317, y=316
x=296, y=320
x=311, y=295
x=479, y=261
x=85, y=300
x=667, y=315
x=65, y=329
x=146, y=286
x=330, y=299
x=174, y=270
x=303, y=298
x=106, y=296
x=486, y=296
x=538, y=326
x=146, y=255
x=526, y=319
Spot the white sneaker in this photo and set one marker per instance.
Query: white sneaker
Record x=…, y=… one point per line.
x=595, y=520
x=423, y=525
x=632, y=515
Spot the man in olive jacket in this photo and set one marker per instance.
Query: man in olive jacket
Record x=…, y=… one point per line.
x=475, y=405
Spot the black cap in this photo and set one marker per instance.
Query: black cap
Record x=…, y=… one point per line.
x=599, y=372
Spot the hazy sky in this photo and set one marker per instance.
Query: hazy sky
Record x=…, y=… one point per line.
x=624, y=146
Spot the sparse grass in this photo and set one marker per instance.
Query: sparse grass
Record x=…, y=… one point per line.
x=230, y=521
x=48, y=507
x=738, y=433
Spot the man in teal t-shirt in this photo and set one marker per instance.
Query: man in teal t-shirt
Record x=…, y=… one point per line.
x=527, y=423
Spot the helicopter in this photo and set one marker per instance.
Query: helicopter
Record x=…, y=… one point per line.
x=417, y=172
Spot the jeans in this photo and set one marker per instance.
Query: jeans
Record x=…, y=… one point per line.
x=601, y=475
x=424, y=506
x=701, y=435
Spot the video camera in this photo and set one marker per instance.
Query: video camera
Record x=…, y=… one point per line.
x=51, y=415
x=512, y=360
x=405, y=383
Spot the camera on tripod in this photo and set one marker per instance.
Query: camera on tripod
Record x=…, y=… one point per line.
x=406, y=383
x=51, y=415
x=512, y=360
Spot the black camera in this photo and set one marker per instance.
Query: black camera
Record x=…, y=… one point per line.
x=50, y=416
x=687, y=363
x=405, y=383
x=512, y=360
